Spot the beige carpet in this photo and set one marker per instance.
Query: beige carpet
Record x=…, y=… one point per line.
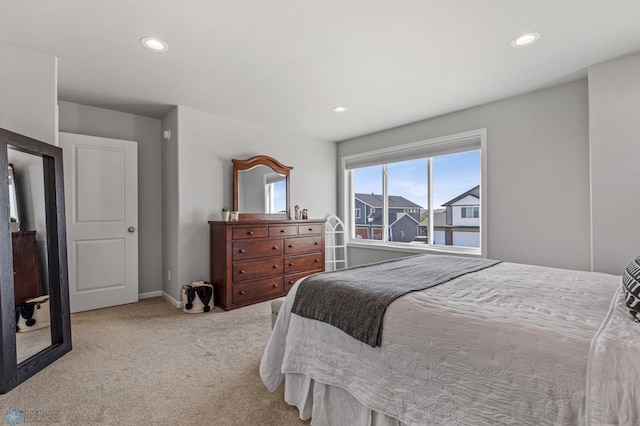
x=149, y=363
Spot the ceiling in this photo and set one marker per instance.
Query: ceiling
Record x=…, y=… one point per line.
x=286, y=63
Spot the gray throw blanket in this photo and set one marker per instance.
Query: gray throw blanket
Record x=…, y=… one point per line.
x=355, y=299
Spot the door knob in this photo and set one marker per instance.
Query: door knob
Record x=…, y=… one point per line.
x=131, y=229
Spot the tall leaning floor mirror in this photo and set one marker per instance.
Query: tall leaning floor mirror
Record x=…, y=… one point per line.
x=34, y=294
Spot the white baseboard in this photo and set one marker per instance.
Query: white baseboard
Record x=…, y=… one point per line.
x=160, y=293
x=174, y=302
x=149, y=295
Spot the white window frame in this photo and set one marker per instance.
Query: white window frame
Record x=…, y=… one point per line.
x=357, y=213
x=459, y=142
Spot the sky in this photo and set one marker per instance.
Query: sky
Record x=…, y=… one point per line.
x=280, y=200
x=453, y=175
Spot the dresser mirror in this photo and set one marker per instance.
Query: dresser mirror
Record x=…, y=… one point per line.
x=34, y=301
x=261, y=188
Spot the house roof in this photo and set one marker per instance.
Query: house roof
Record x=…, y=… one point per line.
x=395, y=201
x=403, y=217
x=474, y=192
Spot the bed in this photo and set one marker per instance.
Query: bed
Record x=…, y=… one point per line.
x=506, y=344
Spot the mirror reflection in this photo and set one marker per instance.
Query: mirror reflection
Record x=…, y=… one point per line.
x=29, y=245
x=262, y=190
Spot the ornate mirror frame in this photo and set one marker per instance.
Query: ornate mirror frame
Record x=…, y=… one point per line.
x=13, y=373
x=261, y=160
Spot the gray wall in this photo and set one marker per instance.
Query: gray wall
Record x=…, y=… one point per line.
x=87, y=120
x=170, y=206
x=538, y=174
x=28, y=93
x=614, y=126
x=206, y=144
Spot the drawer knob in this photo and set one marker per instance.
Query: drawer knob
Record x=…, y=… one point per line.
x=242, y=271
x=316, y=243
x=310, y=229
x=275, y=266
x=275, y=286
x=290, y=245
x=282, y=230
x=241, y=250
x=274, y=248
x=291, y=264
x=250, y=233
x=241, y=292
x=317, y=260
x=291, y=282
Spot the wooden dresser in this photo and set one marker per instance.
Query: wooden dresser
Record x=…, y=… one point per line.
x=253, y=261
x=27, y=283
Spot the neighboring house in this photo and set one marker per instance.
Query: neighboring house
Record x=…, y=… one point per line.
x=462, y=226
x=404, y=229
x=458, y=223
x=404, y=217
x=439, y=221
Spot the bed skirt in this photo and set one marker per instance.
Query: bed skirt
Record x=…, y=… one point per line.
x=330, y=405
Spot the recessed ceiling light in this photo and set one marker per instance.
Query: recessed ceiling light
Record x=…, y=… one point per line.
x=339, y=109
x=525, y=39
x=154, y=44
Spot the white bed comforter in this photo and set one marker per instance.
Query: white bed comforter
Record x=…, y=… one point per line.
x=613, y=373
x=506, y=345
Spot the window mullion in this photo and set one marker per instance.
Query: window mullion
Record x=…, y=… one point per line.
x=350, y=179
x=430, y=231
x=385, y=204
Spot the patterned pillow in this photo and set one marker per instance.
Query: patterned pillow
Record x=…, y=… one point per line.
x=631, y=286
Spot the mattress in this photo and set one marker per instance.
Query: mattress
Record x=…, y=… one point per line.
x=511, y=344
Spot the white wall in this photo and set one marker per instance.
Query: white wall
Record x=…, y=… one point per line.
x=614, y=127
x=538, y=173
x=28, y=93
x=206, y=144
x=87, y=120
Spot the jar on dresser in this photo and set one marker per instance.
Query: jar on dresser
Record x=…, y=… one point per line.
x=258, y=260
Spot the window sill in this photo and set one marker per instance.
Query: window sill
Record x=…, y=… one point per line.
x=415, y=248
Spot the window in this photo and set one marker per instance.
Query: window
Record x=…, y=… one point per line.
x=275, y=193
x=472, y=212
x=421, y=195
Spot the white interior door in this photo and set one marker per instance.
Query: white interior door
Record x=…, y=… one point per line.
x=101, y=196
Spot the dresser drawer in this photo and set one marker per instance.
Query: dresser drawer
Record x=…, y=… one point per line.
x=302, y=244
x=312, y=228
x=253, y=290
x=249, y=232
x=303, y=263
x=243, y=271
x=283, y=231
x=250, y=249
x=290, y=280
